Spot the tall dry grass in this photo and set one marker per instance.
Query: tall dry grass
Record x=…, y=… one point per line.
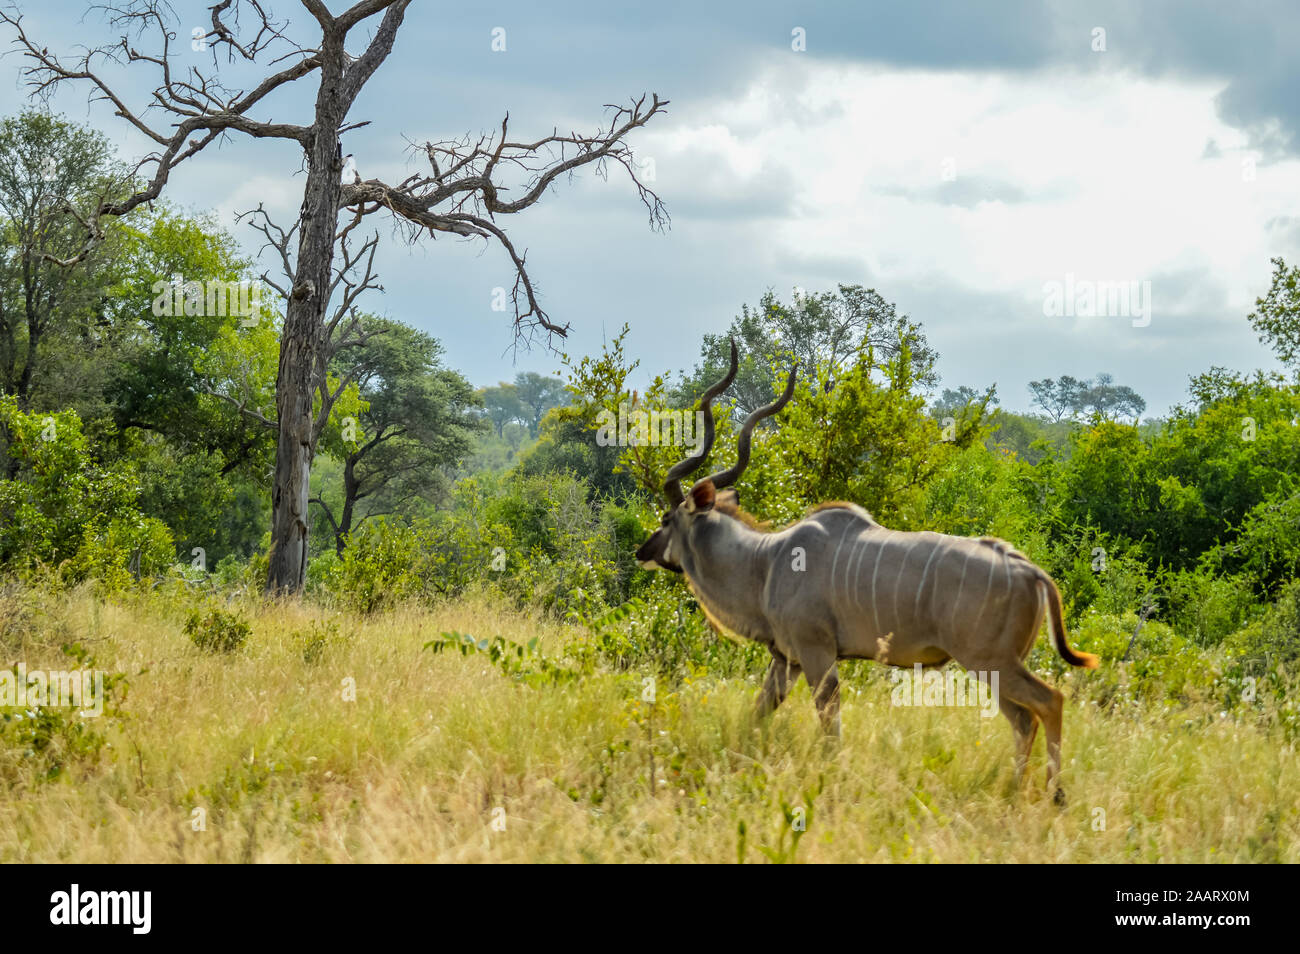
x=443, y=757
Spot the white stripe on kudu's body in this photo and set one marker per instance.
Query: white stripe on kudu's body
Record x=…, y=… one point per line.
x=875, y=573
x=748, y=581
x=838, y=550
x=934, y=551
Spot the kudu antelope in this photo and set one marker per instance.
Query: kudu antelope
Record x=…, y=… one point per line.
x=837, y=585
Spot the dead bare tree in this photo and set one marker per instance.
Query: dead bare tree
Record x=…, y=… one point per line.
x=462, y=193
x=353, y=276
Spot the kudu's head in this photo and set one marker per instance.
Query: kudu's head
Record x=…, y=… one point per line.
x=687, y=510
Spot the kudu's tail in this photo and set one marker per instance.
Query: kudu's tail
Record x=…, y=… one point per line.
x=1057, y=625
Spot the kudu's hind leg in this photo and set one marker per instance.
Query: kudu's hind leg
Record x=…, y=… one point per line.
x=1024, y=725
x=824, y=679
x=781, y=675
x=1022, y=686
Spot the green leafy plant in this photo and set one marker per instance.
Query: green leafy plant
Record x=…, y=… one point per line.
x=318, y=639
x=796, y=822
x=50, y=740
x=522, y=662
x=216, y=630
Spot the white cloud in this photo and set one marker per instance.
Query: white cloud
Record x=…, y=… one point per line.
x=1106, y=176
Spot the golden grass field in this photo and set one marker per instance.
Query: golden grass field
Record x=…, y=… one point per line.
x=415, y=769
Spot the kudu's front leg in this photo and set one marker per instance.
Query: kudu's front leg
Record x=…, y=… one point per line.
x=781, y=675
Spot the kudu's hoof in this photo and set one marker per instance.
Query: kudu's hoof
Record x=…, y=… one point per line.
x=1058, y=799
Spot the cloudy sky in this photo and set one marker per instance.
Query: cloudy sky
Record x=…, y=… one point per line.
x=957, y=157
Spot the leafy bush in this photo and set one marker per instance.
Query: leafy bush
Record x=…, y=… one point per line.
x=47, y=741
x=317, y=640
x=124, y=548
x=1267, y=547
x=866, y=440
x=1274, y=638
x=541, y=542
x=251, y=573
x=380, y=567
x=216, y=630
x=1155, y=665
x=1096, y=571
x=1203, y=607
x=979, y=493
x=665, y=631
x=522, y=662
x=64, y=509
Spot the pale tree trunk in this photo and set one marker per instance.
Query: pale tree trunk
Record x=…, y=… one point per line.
x=303, y=338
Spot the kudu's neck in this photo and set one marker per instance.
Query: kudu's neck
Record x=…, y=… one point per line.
x=727, y=564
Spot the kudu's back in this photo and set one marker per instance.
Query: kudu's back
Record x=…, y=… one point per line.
x=900, y=597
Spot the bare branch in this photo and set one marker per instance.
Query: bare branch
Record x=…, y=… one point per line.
x=205, y=109
x=242, y=407
x=464, y=181
x=334, y=525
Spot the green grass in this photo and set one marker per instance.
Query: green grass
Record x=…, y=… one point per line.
x=438, y=746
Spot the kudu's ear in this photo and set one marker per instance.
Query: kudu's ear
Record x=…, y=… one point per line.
x=701, y=497
x=728, y=498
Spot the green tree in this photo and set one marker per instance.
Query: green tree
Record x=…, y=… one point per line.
x=1237, y=447
x=1068, y=398
x=957, y=408
x=1109, y=401
x=1058, y=398
x=1276, y=318
x=827, y=330
x=537, y=394
x=1029, y=437
x=867, y=439
x=181, y=377
x=63, y=508
x=1110, y=483
x=192, y=391
x=571, y=439
x=416, y=421
x=52, y=291
x=502, y=404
